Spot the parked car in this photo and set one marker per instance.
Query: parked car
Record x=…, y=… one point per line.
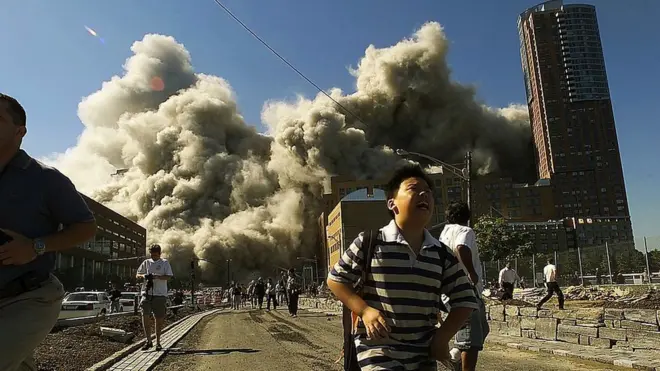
x=127, y=301
x=85, y=304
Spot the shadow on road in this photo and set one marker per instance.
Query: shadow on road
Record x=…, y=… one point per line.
x=210, y=352
x=315, y=315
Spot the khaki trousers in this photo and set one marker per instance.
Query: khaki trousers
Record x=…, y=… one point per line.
x=25, y=320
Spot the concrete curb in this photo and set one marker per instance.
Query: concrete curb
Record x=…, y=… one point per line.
x=79, y=321
x=110, y=361
x=637, y=365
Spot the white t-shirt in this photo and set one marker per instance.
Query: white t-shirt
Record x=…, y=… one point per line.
x=508, y=275
x=550, y=273
x=160, y=267
x=454, y=235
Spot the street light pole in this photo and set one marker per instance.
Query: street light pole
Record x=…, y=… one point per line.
x=228, y=261
x=192, y=283
x=316, y=265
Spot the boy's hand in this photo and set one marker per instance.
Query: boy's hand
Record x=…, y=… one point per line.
x=440, y=350
x=375, y=323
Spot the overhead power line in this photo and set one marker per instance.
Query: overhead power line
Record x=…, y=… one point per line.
x=278, y=55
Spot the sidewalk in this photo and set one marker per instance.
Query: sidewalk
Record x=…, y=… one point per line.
x=635, y=360
x=138, y=360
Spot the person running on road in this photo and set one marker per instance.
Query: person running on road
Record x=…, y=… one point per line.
x=281, y=292
x=550, y=273
x=250, y=294
x=259, y=292
x=271, y=292
x=236, y=291
x=293, y=288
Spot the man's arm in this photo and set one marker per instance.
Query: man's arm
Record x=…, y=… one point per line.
x=464, y=243
x=142, y=270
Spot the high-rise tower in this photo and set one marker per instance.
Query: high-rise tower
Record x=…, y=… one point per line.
x=571, y=115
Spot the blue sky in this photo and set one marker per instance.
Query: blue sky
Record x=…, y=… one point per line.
x=50, y=62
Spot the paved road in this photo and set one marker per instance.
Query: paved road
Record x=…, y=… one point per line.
x=267, y=341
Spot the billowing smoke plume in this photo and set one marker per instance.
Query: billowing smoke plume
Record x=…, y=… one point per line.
x=204, y=182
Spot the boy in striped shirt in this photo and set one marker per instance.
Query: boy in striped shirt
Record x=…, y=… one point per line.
x=410, y=269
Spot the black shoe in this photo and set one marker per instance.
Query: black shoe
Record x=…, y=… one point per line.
x=158, y=347
x=147, y=346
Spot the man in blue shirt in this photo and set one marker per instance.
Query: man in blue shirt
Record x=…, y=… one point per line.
x=41, y=213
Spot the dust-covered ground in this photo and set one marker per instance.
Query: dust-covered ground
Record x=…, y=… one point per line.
x=266, y=341
x=76, y=348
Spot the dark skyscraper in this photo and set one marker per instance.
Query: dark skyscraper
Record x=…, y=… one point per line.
x=571, y=115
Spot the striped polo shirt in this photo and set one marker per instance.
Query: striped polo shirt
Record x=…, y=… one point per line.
x=406, y=287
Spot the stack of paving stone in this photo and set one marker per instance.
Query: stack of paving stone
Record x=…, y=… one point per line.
x=627, y=329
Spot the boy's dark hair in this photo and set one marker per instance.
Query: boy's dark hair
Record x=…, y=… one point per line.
x=458, y=213
x=15, y=110
x=405, y=172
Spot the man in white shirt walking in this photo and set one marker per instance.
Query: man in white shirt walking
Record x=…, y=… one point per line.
x=550, y=274
x=155, y=272
x=461, y=239
x=508, y=278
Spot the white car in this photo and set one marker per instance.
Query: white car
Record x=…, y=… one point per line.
x=85, y=304
x=127, y=301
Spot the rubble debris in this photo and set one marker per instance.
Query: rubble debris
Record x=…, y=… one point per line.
x=117, y=335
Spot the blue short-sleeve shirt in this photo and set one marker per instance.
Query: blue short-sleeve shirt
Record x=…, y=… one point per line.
x=35, y=201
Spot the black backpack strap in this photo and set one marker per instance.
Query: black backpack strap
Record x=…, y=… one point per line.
x=368, y=246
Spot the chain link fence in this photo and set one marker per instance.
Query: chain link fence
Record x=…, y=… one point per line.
x=616, y=263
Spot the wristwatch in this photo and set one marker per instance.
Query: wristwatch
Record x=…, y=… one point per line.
x=39, y=246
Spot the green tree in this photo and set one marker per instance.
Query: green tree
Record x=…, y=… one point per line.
x=654, y=260
x=498, y=241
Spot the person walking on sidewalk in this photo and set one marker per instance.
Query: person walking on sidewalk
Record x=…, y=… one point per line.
x=550, y=273
x=508, y=278
x=155, y=272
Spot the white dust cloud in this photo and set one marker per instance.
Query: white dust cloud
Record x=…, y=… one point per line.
x=204, y=182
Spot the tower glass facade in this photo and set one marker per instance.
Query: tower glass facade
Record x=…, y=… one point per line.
x=571, y=115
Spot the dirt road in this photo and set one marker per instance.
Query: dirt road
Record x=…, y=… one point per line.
x=266, y=341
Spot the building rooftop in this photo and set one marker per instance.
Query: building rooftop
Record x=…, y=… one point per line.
x=363, y=195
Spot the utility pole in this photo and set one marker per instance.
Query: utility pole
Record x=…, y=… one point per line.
x=609, y=265
x=316, y=264
x=228, y=280
x=648, y=266
x=192, y=283
x=468, y=180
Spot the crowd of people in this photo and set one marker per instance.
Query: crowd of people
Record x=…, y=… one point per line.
x=286, y=290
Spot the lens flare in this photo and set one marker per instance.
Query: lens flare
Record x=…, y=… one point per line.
x=95, y=34
x=157, y=84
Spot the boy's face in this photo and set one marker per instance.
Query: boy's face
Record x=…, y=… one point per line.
x=413, y=202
